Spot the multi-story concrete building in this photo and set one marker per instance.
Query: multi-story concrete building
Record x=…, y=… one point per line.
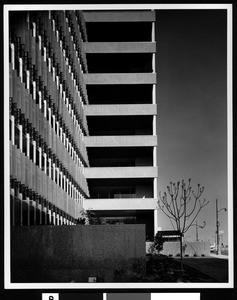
x=121, y=115
x=83, y=117
x=47, y=121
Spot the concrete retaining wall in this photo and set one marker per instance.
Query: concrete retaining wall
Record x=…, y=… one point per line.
x=189, y=248
x=75, y=253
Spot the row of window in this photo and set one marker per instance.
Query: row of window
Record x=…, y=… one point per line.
x=67, y=142
x=58, y=124
x=53, y=67
x=28, y=75
x=46, y=161
x=26, y=212
x=73, y=30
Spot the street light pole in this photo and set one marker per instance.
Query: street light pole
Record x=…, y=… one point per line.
x=200, y=226
x=196, y=231
x=218, y=250
x=217, y=230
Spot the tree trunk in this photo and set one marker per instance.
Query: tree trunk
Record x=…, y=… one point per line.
x=181, y=253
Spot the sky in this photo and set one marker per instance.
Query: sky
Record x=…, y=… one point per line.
x=191, y=71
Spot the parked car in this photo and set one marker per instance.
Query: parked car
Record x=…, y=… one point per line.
x=213, y=248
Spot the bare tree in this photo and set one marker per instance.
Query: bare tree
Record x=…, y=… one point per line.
x=182, y=206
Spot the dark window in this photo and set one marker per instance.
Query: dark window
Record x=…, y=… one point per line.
x=47, y=168
x=42, y=162
x=31, y=151
x=17, y=137
x=10, y=128
x=37, y=157
x=24, y=144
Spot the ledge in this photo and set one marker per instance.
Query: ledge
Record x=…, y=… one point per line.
x=120, y=47
x=121, y=204
x=121, y=141
x=120, y=110
x=121, y=172
x=120, y=78
x=116, y=16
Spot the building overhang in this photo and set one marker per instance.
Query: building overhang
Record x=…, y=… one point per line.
x=121, y=141
x=121, y=172
x=120, y=204
x=120, y=110
x=119, y=78
x=120, y=47
x=120, y=16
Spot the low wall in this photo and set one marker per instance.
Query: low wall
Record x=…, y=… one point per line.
x=189, y=248
x=74, y=253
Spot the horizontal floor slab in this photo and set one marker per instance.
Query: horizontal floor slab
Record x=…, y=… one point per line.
x=120, y=204
x=120, y=109
x=122, y=16
x=120, y=78
x=121, y=141
x=121, y=172
x=120, y=47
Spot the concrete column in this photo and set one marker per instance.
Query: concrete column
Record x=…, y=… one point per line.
x=13, y=56
x=49, y=109
x=13, y=130
x=34, y=151
x=21, y=208
x=21, y=69
x=28, y=80
x=49, y=211
x=155, y=182
x=27, y=145
x=153, y=37
x=54, y=123
x=34, y=90
x=50, y=168
x=40, y=158
x=54, y=221
x=45, y=108
x=40, y=99
x=13, y=206
x=45, y=163
x=54, y=177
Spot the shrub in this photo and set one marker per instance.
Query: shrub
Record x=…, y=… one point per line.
x=158, y=242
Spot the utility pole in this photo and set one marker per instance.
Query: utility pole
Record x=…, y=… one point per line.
x=218, y=250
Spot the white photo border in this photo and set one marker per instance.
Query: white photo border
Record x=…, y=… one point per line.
x=157, y=7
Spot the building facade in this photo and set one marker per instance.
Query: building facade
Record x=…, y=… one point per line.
x=83, y=117
x=121, y=115
x=47, y=122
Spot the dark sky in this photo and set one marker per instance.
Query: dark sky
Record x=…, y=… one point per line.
x=192, y=107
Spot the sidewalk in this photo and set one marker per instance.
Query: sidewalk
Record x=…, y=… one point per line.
x=214, y=266
x=219, y=256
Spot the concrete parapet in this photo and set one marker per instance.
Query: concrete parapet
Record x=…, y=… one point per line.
x=116, y=16
x=120, y=47
x=121, y=110
x=120, y=78
x=121, y=141
x=121, y=204
x=121, y=172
